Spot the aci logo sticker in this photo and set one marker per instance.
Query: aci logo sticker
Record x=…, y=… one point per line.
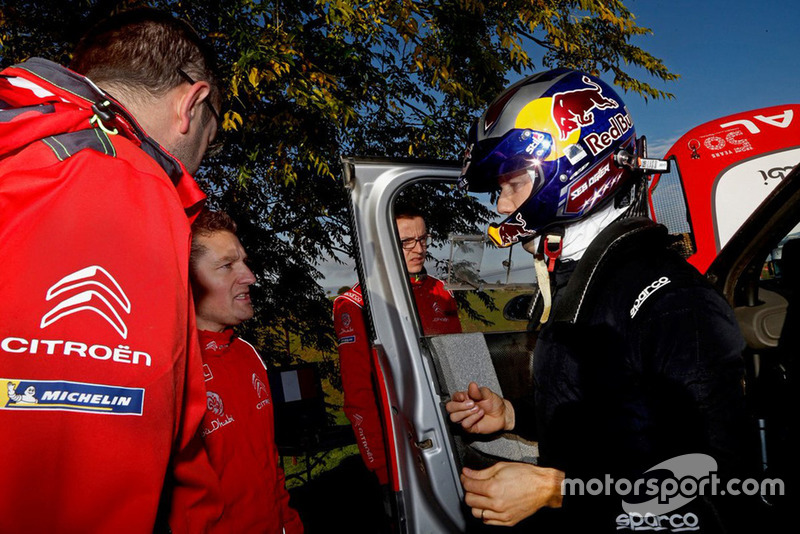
x=98, y=293
x=60, y=395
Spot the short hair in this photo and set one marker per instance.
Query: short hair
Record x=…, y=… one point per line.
x=141, y=50
x=406, y=211
x=208, y=223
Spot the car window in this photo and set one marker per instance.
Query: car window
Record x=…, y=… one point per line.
x=487, y=346
x=481, y=277
x=774, y=272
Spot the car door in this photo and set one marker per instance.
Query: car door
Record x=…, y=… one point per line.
x=418, y=372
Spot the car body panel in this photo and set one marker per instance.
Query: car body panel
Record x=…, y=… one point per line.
x=728, y=166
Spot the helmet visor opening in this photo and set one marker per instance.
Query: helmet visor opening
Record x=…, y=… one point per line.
x=518, y=150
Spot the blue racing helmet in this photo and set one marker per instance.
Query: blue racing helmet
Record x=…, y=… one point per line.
x=561, y=128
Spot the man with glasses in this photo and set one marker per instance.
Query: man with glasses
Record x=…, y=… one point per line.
x=97, y=326
x=438, y=314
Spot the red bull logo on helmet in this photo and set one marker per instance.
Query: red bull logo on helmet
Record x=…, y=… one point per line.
x=507, y=233
x=572, y=110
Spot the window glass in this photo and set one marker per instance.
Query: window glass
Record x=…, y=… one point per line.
x=481, y=277
x=773, y=271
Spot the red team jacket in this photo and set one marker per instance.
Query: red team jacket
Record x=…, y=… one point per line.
x=239, y=434
x=439, y=315
x=101, y=382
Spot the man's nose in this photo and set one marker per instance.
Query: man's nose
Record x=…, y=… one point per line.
x=504, y=205
x=247, y=277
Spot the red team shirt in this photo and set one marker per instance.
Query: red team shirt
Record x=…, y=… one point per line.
x=239, y=435
x=439, y=315
x=101, y=385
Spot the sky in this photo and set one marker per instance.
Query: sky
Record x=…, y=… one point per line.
x=731, y=55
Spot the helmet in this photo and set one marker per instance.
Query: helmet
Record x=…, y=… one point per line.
x=562, y=128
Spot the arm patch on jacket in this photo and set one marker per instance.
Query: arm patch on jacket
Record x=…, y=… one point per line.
x=346, y=340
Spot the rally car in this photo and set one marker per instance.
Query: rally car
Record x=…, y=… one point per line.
x=731, y=202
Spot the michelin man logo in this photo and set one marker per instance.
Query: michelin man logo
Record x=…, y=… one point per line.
x=28, y=397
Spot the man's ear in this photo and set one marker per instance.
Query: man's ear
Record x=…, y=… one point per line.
x=191, y=103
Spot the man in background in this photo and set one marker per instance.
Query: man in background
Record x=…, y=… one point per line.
x=438, y=314
x=238, y=430
x=101, y=384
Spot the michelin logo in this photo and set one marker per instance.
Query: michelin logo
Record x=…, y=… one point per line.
x=60, y=395
x=347, y=339
x=28, y=397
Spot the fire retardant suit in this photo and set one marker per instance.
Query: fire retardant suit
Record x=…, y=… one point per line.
x=640, y=364
x=438, y=314
x=239, y=435
x=101, y=385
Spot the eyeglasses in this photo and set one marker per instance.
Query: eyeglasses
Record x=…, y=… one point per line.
x=189, y=79
x=411, y=242
x=215, y=148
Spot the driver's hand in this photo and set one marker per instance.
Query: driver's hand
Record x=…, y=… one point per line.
x=508, y=492
x=479, y=410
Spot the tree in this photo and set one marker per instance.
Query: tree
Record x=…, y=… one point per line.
x=307, y=81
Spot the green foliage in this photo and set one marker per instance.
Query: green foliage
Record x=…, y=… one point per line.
x=306, y=81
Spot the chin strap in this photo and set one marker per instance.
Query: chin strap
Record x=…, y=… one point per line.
x=543, y=277
x=550, y=246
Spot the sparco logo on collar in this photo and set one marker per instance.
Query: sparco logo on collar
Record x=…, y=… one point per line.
x=91, y=289
x=646, y=292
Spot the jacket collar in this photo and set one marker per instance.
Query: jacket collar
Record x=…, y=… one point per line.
x=215, y=341
x=69, y=86
x=417, y=279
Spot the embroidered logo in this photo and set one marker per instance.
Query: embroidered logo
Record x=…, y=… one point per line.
x=207, y=374
x=646, y=292
x=215, y=406
x=346, y=322
x=214, y=403
x=259, y=386
x=261, y=391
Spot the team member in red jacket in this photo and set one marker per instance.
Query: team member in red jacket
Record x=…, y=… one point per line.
x=101, y=384
x=438, y=314
x=238, y=429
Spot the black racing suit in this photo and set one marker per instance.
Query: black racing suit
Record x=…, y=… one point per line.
x=640, y=363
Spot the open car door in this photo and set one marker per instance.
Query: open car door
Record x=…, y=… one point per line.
x=418, y=372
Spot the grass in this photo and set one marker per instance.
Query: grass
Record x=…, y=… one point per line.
x=296, y=467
